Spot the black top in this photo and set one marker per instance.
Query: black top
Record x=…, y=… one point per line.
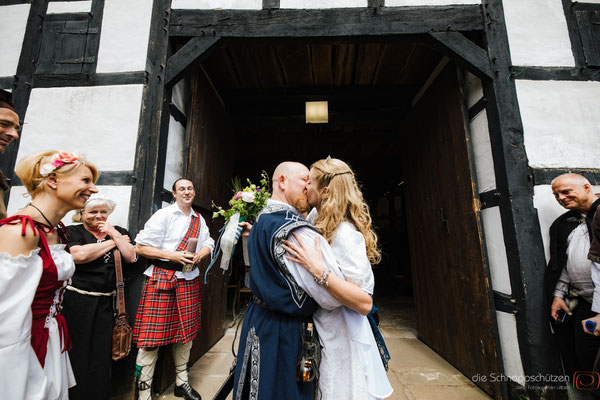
x=97, y=275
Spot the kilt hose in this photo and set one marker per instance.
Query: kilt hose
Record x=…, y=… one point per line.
x=169, y=310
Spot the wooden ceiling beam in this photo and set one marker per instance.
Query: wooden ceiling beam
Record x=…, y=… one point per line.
x=381, y=118
x=188, y=57
x=397, y=94
x=465, y=52
x=282, y=23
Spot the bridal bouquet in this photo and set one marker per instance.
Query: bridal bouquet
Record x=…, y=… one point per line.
x=247, y=201
x=245, y=205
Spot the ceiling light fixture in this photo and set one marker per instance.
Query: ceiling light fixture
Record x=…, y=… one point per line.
x=317, y=112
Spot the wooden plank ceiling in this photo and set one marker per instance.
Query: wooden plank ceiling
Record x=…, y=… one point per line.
x=369, y=87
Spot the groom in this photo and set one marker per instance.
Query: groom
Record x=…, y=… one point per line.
x=285, y=295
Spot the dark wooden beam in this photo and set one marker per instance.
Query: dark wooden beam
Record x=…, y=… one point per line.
x=520, y=224
x=23, y=80
x=177, y=115
x=6, y=82
x=366, y=95
x=188, y=57
x=379, y=118
x=13, y=2
x=555, y=73
x=544, y=176
x=326, y=22
x=576, y=46
x=270, y=4
x=375, y=3
x=119, y=78
x=145, y=191
x=477, y=108
x=466, y=53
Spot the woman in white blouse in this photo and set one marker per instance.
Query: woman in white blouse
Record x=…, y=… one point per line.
x=35, y=268
x=351, y=366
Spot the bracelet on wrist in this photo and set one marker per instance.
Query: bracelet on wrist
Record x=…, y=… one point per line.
x=323, y=278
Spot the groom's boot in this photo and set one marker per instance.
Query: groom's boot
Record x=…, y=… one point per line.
x=181, y=356
x=145, y=363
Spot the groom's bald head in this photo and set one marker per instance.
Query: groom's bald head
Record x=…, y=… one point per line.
x=289, y=184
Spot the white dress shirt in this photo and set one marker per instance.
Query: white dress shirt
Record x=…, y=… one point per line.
x=577, y=272
x=165, y=229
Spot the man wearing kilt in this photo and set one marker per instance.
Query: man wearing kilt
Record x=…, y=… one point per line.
x=169, y=310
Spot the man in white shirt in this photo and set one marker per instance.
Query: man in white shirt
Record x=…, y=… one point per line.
x=175, y=239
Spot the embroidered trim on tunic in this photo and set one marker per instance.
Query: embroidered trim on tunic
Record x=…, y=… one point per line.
x=252, y=351
x=298, y=294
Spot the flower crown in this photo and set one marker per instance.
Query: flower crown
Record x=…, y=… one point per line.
x=59, y=159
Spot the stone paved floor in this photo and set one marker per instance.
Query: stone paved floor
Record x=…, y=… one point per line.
x=416, y=372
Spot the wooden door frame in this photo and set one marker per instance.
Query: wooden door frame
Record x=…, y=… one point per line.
x=442, y=26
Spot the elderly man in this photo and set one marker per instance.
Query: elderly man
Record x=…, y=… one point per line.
x=568, y=278
x=285, y=295
x=9, y=131
x=176, y=239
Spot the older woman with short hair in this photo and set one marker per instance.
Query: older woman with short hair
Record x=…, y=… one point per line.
x=88, y=302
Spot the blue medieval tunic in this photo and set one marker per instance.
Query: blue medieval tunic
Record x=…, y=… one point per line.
x=270, y=342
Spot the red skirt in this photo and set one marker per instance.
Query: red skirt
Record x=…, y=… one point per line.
x=169, y=310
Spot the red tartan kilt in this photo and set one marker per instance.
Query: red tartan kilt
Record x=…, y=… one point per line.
x=168, y=316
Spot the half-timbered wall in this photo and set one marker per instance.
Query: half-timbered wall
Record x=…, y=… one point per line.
x=93, y=108
x=101, y=111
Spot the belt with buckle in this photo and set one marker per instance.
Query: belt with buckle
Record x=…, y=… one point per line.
x=173, y=266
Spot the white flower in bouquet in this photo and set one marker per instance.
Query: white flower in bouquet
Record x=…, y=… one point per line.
x=248, y=197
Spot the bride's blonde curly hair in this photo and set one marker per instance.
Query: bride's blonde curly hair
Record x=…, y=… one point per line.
x=343, y=200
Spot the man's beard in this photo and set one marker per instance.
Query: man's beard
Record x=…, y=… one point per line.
x=301, y=204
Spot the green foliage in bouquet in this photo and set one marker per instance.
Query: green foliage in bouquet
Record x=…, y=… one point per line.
x=248, y=201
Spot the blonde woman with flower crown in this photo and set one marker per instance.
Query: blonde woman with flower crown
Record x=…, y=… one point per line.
x=351, y=365
x=35, y=268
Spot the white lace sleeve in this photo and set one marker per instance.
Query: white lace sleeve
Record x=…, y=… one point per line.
x=350, y=251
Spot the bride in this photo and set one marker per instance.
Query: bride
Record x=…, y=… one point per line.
x=351, y=365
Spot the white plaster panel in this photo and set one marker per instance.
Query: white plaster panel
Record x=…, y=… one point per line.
x=58, y=7
x=120, y=194
x=509, y=344
x=537, y=33
x=548, y=210
x=13, y=21
x=474, y=89
x=99, y=121
x=561, y=123
x=174, y=159
x=181, y=95
x=496, y=250
x=217, y=4
x=124, y=35
x=399, y=3
x=482, y=150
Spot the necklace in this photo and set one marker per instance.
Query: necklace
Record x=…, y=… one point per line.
x=47, y=220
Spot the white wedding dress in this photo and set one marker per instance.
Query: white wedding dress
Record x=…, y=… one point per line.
x=351, y=367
